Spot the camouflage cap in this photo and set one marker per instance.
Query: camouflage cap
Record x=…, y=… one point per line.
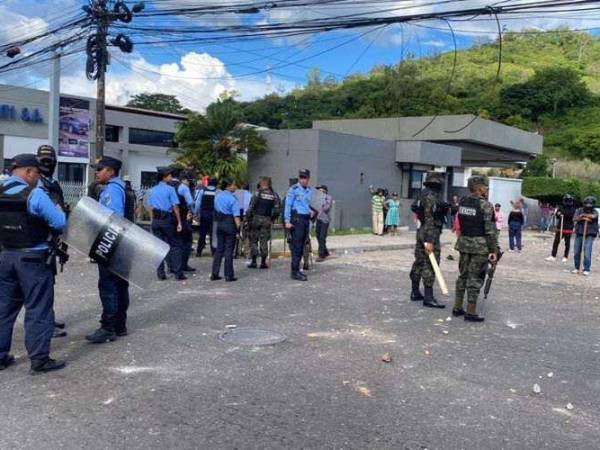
x=477, y=180
x=434, y=178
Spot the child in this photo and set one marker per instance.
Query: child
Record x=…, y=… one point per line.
x=515, y=225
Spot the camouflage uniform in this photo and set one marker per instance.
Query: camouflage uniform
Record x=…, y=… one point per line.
x=431, y=227
x=474, y=250
x=264, y=208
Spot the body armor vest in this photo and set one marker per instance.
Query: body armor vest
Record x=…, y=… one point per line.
x=18, y=227
x=208, y=200
x=470, y=216
x=265, y=202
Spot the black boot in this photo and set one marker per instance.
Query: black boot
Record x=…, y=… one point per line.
x=430, y=301
x=471, y=314
x=47, y=366
x=101, y=336
x=299, y=276
x=415, y=294
x=6, y=362
x=253, y=265
x=263, y=263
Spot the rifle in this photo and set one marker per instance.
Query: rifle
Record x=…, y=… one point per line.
x=57, y=249
x=491, y=270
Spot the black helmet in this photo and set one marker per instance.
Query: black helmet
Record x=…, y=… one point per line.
x=477, y=180
x=589, y=202
x=568, y=198
x=434, y=178
x=212, y=181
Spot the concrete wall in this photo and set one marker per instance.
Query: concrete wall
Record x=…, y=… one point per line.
x=342, y=159
x=288, y=151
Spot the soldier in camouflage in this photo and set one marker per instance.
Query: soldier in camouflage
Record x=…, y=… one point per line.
x=477, y=244
x=265, y=207
x=431, y=212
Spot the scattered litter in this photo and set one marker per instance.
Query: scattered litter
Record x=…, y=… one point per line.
x=386, y=358
x=427, y=352
x=569, y=406
x=562, y=411
x=360, y=387
x=512, y=324
x=537, y=389
x=448, y=319
x=109, y=401
x=514, y=391
x=441, y=320
x=445, y=331
x=550, y=374
x=230, y=326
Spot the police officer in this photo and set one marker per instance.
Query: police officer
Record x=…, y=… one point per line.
x=27, y=218
x=431, y=212
x=204, y=209
x=114, y=291
x=263, y=211
x=167, y=222
x=297, y=216
x=227, y=217
x=46, y=156
x=477, y=244
x=186, y=205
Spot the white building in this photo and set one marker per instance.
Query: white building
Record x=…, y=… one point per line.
x=140, y=138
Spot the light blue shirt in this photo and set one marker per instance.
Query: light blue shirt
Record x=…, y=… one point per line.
x=184, y=191
x=298, y=199
x=247, y=199
x=163, y=197
x=226, y=203
x=39, y=205
x=113, y=196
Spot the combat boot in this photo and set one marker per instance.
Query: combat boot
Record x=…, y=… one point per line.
x=458, y=310
x=253, y=265
x=47, y=366
x=263, y=263
x=101, y=336
x=6, y=362
x=415, y=294
x=471, y=314
x=430, y=301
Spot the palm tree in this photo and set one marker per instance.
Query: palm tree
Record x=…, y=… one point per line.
x=216, y=143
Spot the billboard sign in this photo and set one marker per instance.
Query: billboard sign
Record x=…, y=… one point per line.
x=74, y=128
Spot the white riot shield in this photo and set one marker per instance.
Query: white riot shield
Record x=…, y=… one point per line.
x=112, y=241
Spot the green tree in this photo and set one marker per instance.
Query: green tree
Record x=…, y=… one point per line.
x=550, y=90
x=539, y=167
x=157, y=102
x=215, y=143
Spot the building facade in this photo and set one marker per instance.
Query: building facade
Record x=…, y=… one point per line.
x=352, y=157
x=141, y=139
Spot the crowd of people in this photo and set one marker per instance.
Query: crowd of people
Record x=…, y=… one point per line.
x=32, y=218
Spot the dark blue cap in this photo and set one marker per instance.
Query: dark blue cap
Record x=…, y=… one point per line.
x=109, y=161
x=25, y=160
x=304, y=173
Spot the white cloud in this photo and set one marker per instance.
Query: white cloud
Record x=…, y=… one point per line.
x=14, y=26
x=197, y=80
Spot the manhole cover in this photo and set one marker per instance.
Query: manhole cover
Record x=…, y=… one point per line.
x=252, y=336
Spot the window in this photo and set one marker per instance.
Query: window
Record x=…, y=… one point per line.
x=111, y=133
x=151, y=137
x=71, y=172
x=7, y=163
x=148, y=179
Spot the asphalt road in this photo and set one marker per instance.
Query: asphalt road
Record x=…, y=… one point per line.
x=450, y=385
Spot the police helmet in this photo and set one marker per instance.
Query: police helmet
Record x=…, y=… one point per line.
x=477, y=180
x=568, y=199
x=434, y=179
x=589, y=202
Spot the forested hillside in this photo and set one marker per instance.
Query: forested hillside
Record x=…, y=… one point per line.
x=549, y=82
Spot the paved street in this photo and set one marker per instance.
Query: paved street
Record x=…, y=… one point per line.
x=450, y=385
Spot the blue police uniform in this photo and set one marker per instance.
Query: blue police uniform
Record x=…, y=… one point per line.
x=297, y=212
x=204, y=209
x=163, y=198
x=26, y=221
x=114, y=291
x=226, y=208
x=187, y=239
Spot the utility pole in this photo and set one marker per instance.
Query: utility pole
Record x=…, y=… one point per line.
x=98, y=56
x=54, y=103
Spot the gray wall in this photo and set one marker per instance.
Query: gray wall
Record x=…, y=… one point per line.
x=342, y=158
x=279, y=163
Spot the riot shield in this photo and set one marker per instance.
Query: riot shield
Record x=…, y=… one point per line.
x=112, y=241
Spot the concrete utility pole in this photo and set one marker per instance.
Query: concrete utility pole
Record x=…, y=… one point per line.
x=54, y=103
x=101, y=34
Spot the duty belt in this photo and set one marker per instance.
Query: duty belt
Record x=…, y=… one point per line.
x=301, y=216
x=159, y=214
x=220, y=217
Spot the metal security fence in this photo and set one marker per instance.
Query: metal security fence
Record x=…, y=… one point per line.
x=73, y=192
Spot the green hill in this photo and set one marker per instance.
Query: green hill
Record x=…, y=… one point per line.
x=549, y=82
